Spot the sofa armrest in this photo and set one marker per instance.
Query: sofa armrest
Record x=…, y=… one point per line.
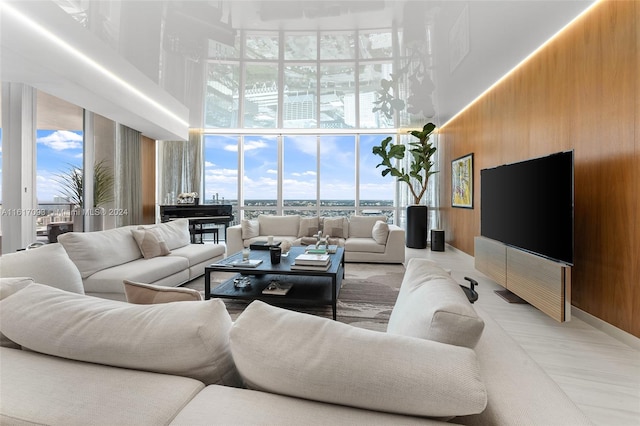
x=395, y=244
x=235, y=243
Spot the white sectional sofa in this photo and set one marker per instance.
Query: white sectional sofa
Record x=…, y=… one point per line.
x=364, y=238
x=156, y=254
x=88, y=360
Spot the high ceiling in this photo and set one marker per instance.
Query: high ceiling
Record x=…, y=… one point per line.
x=474, y=43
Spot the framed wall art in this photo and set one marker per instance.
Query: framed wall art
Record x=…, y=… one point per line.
x=462, y=182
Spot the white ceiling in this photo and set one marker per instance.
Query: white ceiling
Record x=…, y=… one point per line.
x=467, y=58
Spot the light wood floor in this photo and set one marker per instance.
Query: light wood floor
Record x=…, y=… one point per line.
x=600, y=373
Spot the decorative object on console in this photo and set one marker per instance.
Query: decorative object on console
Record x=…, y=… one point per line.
x=188, y=198
x=417, y=177
x=462, y=182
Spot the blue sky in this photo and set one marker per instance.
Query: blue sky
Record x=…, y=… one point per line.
x=56, y=151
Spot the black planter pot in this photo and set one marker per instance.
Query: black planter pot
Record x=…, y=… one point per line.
x=416, y=227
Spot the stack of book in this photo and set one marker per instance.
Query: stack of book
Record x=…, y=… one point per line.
x=312, y=262
x=322, y=249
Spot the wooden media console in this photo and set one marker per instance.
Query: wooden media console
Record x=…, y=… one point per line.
x=542, y=282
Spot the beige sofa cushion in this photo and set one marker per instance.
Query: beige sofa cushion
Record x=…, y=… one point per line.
x=185, y=339
x=94, y=251
x=39, y=389
x=279, y=225
x=224, y=405
x=318, y=359
x=150, y=243
x=166, y=270
x=362, y=226
x=431, y=305
x=149, y=294
x=48, y=265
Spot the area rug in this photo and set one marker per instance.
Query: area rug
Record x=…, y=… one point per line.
x=366, y=298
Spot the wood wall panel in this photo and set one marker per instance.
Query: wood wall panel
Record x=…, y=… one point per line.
x=148, y=155
x=579, y=92
x=635, y=313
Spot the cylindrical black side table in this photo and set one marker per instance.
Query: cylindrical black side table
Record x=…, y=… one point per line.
x=416, y=235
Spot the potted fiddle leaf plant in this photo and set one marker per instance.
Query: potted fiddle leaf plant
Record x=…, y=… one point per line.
x=421, y=164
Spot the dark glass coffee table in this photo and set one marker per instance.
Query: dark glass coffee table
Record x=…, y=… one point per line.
x=308, y=287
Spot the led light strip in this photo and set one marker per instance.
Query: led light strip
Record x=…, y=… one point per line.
x=520, y=64
x=35, y=26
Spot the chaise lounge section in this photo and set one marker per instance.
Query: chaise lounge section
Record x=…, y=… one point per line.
x=364, y=238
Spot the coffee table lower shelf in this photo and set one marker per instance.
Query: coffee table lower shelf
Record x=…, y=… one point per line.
x=306, y=290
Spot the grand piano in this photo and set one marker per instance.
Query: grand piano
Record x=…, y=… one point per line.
x=199, y=216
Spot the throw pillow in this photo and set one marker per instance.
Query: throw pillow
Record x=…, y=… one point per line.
x=360, y=368
x=148, y=294
x=336, y=227
x=380, y=232
x=362, y=226
x=150, y=243
x=183, y=339
x=175, y=232
x=431, y=305
x=308, y=227
x=48, y=265
x=250, y=229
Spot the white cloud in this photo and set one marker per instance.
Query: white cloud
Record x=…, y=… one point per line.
x=208, y=164
x=272, y=172
x=254, y=144
x=61, y=140
x=307, y=173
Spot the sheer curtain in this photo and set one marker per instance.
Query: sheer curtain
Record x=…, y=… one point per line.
x=128, y=176
x=180, y=168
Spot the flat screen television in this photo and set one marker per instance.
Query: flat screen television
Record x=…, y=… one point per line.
x=529, y=205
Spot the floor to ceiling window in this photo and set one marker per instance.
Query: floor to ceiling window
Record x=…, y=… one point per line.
x=290, y=126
